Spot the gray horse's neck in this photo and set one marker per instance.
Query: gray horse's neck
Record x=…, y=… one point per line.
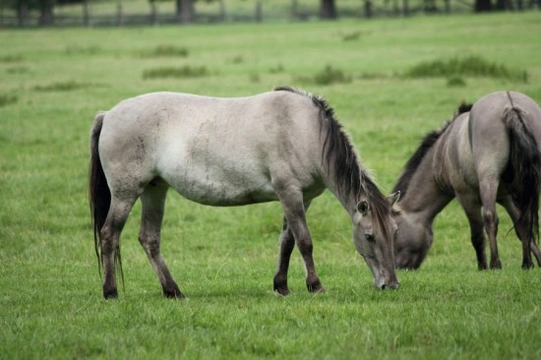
x=424, y=197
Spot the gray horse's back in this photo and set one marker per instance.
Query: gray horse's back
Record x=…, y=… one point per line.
x=491, y=110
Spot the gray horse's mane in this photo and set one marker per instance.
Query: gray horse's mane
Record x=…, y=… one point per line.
x=426, y=144
x=339, y=152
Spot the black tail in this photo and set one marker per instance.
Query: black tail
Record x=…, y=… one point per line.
x=525, y=164
x=99, y=193
x=98, y=190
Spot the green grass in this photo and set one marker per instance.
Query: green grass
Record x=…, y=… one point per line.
x=224, y=259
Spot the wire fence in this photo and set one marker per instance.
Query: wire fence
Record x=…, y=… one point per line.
x=92, y=14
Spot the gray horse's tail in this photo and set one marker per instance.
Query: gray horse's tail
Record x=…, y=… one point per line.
x=99, y=193
x=525, y=165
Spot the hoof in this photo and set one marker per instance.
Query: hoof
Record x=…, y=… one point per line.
x=283, y=291
x=315, y=288
x=174, y=293
x=495, y=265
x=281, y=287
x=110, y=294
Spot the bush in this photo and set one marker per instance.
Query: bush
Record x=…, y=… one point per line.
x=175, y=72
x=8, y=99
x=468, y=66
x=329, y=75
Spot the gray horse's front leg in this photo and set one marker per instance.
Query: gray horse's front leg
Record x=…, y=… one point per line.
x=294, y=210
x=153, y=201
x=287, y=243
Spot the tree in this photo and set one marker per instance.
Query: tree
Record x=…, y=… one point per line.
x=482, y=5
x=327, y=10
x=185, y=11
x=46, y=16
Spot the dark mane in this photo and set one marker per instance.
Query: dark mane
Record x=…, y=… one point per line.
x=428, y=141
x=413, y=163
x=463, y=108
x=339, y=154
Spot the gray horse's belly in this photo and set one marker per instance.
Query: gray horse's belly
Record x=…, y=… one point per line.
x=218, y=188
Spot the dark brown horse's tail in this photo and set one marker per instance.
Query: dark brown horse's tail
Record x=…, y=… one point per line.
x=525, y=167
x=98, y=190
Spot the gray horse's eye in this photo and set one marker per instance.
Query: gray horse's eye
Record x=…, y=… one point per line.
x=363, y=207
x=370, y=237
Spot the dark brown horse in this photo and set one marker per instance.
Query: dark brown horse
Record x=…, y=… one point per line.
x=283, y=145
x=487, y=155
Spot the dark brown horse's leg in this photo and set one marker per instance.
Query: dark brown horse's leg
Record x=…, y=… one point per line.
x=110, y=240
x=472, y=208
x=287, y=243
x=153, y=201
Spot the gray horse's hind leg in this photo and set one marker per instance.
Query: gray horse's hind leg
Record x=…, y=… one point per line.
x=291, y=200
x=110, y=239
x=287, y=243
x=489, y=191
x=472, y=208
x=523, y=233
x=153, y=203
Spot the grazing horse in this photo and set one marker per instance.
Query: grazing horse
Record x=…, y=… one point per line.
x=487, y=155
x=284, y=145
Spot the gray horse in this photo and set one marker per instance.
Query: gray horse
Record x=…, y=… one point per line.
x=284, y=145
x=488, y=155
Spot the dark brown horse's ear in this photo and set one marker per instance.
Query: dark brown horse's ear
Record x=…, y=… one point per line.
x=394, y=197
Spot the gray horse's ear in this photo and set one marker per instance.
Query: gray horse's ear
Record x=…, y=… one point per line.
x=394, y=198
x=362, y=207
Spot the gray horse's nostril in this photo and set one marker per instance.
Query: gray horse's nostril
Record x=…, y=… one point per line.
x=383, y=287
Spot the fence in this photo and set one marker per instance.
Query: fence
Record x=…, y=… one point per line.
x=118, y=14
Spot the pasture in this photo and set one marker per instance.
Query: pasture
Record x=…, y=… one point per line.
x=375, y=75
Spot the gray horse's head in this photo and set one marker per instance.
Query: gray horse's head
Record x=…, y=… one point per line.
x=373, y=236
x=412, y=241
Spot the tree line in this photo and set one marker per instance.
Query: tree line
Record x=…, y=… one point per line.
x=185, y=9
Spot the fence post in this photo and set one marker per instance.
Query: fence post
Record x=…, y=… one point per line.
x=222, y=11
x=119, y=18
x=86, y=14
x=405, y=8
x=258, y=11
x=368, y=9
x=153, y=13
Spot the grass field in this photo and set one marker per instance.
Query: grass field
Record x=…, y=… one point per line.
x=54, y=81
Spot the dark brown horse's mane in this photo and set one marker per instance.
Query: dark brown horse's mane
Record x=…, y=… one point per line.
x=339, y=153
x=426, y=144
